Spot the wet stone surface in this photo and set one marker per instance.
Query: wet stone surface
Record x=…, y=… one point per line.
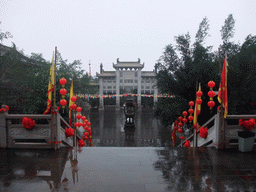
x=127, y=169
x=132, y=158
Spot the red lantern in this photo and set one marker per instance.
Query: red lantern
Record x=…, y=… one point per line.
x=175, y=127
x=7, y=107
x=63, y=81
x=211, y=84
x=218, y=108
x=73, y=98
x=63, y=102
x=190, y=118
x=81, y=143
x=181, y=137
x=176, y=122
x=199, y=93
x=84, y=124
x=73, y=106
x=79, y=116
x=211, y=104
x=78, y=109
x=86, y=133
x=180, y=130
x=63, y=91
x=86, y=121
x=211, y=94
x=184, y=120
x=89, y=124
x=180, y=124
x=191, y=103
x=185, y=113
x=79, y=124
x=83, y=118
x=191, y=111
x=180, y=118
x=199, y=101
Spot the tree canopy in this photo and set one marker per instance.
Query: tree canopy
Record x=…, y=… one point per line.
x=183, y=65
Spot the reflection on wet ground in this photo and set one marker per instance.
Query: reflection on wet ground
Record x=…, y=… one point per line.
x=127, y=169
x=109, y=129
x=134, y=161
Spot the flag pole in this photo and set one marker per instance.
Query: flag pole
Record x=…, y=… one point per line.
x=54, y=99
x=221, y=106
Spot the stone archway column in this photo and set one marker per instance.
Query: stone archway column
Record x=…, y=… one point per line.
x=139, y=88
x=101, y=94
x=155, y=95
x=117, y=88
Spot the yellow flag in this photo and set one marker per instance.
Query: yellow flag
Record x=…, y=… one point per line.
x=70, y=103
x=197, y=110
x=50, y=87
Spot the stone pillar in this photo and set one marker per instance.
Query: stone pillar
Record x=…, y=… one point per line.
x=155, y=95
x=139, y=88
x=3, y=138
x=101, y=94
x=117, y=88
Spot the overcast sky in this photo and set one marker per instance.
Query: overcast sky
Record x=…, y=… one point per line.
x=103, y=30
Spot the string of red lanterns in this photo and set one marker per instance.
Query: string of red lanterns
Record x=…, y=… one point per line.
x=211, y=94
x=63, y=92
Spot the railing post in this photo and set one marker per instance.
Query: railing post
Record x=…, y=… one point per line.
x=58, y=133
x=3, y=136
x=54, y=127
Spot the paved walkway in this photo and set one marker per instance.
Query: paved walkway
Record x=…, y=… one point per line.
x=129, y=169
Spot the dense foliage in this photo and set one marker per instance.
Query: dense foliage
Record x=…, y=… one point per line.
x=184, y=65
x=24, y=81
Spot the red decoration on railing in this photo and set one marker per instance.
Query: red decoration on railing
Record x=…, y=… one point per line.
x=247, y=124
x=81, y=143
x=187, y=143
x=203, y=132
x=28, y=123
x=69, y=132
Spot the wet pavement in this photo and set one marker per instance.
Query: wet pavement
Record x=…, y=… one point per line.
x=127, y=169
x=109, y=129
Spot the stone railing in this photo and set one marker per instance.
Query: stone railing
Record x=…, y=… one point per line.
x=49, y=131
x=212, y=139
x=232, y=128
